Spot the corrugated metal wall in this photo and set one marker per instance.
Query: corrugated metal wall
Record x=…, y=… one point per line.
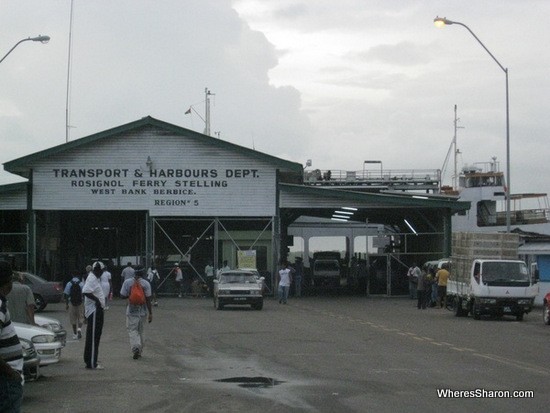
x=184, y=177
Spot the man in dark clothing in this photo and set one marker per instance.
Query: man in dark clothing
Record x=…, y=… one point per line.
x=94, y=303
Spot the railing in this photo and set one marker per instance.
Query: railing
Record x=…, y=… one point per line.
x=524, y=217
x=388, y=177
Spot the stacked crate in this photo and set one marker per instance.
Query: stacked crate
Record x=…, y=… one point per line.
x=468, y=246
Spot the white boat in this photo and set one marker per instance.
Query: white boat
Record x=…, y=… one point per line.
x=484, y=186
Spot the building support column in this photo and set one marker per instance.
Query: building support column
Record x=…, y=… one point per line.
x=447, y=235
x=31, y=228
x=149, y=240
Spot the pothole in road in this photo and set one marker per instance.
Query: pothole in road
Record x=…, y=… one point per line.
x=263, y=382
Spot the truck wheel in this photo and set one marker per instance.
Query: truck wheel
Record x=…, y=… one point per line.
x=457, y=307
x=546, y=313
x=519, y=317
x=258, y=306
x=475, y=312
x=217, y=304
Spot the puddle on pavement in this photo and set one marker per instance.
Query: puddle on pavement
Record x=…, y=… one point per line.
x=252, y=382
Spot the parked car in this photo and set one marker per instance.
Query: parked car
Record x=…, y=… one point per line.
x=54, y=325
x=238, y=287
x=45, y=292
x=44, y=341
x=31, y=361
x=257, y=275
x=546, y=309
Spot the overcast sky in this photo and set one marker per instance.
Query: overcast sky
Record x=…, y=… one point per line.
x=335, y=82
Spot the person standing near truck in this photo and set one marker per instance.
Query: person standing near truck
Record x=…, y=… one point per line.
x=412, y=275
x=442, y=277
x=421, y=284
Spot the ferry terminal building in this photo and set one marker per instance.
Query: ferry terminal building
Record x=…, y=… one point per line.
x=151, y=191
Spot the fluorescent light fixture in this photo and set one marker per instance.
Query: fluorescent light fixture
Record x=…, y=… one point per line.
x=339, y=219
x=411, y=227
x=420, y=197
x=350, y=208
x=340, y=216
x=344, y=212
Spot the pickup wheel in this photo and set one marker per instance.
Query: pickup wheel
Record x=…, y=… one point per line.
x=546, y=313
x=258, y=306
x=217, y=304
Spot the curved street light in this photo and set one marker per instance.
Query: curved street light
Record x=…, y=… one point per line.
x=442, y=22
x=41, y=39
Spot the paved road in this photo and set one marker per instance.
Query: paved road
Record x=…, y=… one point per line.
x=325, y=354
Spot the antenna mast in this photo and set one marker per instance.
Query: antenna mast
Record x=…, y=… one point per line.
x=68, y=97
x=207, y=95
x=455, y=176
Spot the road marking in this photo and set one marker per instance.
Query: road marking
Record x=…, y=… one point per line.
x=492, y=357
x=514, y=363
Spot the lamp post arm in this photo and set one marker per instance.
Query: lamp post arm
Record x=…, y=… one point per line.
x=16, y=44
x=505, y=70
x=481, y=43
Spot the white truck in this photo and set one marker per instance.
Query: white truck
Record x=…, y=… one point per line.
x=326, y=272
x=486, y=278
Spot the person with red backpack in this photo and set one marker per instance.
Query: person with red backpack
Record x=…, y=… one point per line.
x=138, y=292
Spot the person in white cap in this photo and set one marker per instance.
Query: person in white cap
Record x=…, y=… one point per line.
x=94, y=304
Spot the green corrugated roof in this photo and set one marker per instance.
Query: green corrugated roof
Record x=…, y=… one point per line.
x=17, y=187
x=20, y=166
x=382, y=199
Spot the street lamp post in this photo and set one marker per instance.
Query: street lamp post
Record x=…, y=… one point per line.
x=441, y=22
x=41, y=39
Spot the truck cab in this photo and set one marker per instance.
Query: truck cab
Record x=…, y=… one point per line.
x=501, y=287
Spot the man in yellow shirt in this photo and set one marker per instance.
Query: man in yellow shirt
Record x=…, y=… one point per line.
x=442, y=276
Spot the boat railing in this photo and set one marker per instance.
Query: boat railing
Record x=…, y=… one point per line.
x=524, y=217
x=369, y=177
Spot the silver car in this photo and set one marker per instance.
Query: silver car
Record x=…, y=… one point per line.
x=44, y=341
x=54, y=325
x=238, y=287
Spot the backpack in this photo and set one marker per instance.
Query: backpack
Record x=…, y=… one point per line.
x=75, y=293
x=137, y=295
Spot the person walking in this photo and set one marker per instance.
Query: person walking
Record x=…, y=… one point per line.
x=154, y=279
x=94, y=304
x=73, y=304
x=127, y=273
x=11, y=351
x=285, y=280
x=21, y=301
x=138, y=292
